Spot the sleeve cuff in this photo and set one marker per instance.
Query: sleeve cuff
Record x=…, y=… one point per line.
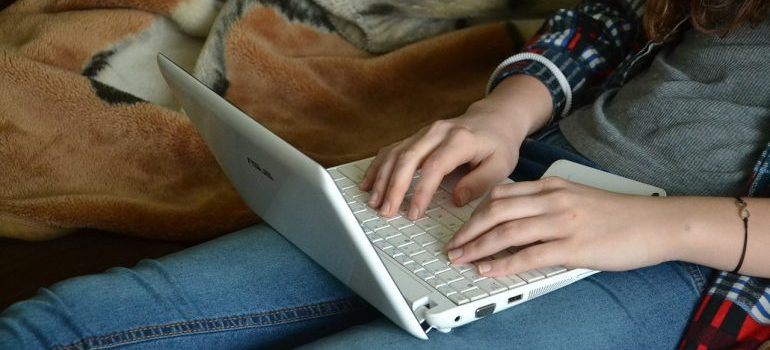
x=556, y=70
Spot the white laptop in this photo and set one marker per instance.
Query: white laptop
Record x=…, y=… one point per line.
x=396, y=265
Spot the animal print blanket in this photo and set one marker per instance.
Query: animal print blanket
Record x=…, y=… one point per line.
x=90, y=136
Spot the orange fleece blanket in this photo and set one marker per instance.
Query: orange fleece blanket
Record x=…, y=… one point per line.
x=90, y=136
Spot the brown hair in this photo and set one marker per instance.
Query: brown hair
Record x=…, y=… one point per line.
x=710, y=16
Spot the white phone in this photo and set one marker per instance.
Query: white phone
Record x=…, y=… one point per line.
x=588, y=176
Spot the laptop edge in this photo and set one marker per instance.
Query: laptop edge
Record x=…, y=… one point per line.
x=265, y=166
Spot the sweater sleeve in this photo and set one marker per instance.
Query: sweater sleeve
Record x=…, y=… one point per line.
x=576, y=49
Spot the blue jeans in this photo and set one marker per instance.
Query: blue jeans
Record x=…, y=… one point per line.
x=253, y=289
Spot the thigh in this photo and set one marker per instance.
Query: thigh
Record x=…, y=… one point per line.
x=639, y=309
x=250, y=288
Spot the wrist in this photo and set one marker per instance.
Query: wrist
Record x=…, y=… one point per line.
x=522, y=102
x=705, y=231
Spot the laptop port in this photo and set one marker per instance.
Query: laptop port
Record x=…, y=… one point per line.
x=514, y=298
x=485, y=310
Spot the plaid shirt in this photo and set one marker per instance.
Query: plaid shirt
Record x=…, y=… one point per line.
x=600, y=45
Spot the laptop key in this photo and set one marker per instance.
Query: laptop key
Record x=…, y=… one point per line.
x=365, y=215
x=512, y=281
x=552, y=270
x=401, y=222
x=423, y=274
x=353, y=191
x=438, y=214
x=412, y=249
x=423, y=258
x=462, y=285
x=463, y=213
x=473, y=275
x=344, y=183
x=412, y=231
x=427, y=223
x=363, y=197
x=424, y=239
x=388, y=232
x=335, y=174
x=450, y=276
x=441, y=233
x=435, y=249
x=436, y=267
x=464, y=267
x=384, y=245
x=441, y=197
x=435, y=282
x=376, y=224
x=399, y=240
x=402, y=258
x=443, y=258
x=445, y=218
x=446, y=290
x=490, y=285
x=352, y=172
x=356, y=207
x=363, y=164
x=475, y=294
x=458, y=298
x=531, y=276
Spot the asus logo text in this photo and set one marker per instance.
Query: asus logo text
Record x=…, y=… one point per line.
x=262, y=170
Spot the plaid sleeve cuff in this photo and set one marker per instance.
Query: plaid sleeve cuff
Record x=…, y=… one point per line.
x=555, y=69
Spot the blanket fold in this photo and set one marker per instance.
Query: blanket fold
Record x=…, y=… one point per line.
x=90, y=136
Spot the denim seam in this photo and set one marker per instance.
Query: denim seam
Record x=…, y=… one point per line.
x=695, y=274
x=205, y=325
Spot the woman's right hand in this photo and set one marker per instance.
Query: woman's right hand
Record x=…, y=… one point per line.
x=487, y=137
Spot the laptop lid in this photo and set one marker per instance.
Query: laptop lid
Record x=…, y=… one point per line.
x=291, y=192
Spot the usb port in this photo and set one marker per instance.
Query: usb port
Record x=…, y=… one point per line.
x=514, y=299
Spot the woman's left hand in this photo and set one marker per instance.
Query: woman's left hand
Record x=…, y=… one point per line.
x=562, y=223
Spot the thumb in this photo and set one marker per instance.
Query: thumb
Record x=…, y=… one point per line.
x=478, y=182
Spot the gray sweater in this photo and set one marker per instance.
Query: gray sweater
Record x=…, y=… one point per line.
x=694, y=122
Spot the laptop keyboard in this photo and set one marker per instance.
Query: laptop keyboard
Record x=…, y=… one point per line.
x=419, y=245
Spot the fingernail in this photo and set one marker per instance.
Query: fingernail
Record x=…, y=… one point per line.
x=455, y=253
x=484, y=267
x=385, y=208
x=373, y=199
x=414, y=213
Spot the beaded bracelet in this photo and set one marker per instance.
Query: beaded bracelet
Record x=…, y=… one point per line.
x=744, y=214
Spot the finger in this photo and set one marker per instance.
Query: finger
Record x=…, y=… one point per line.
x=496, y=212
x=371, y=172
x=546, y=254
x=453, y=152
x=409, y=159
x=381, y=180
x=525, y=188
x=479, y=180
x=510, y=234
x=383, y=177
